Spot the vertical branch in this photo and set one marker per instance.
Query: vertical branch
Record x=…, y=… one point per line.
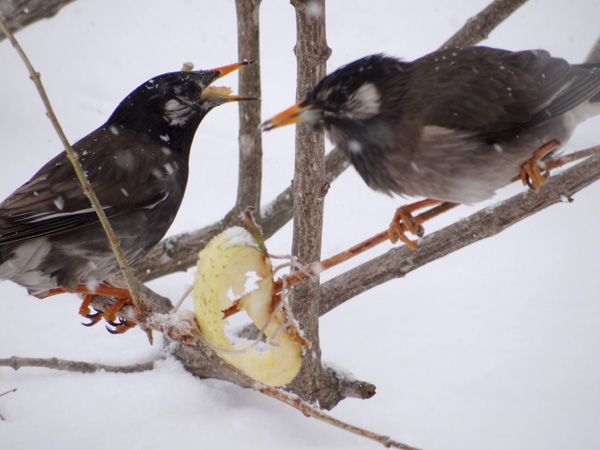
x=250, y=139
x=309, y=188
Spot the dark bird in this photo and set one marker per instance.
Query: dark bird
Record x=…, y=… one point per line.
x=51, y=240
x=453, y=126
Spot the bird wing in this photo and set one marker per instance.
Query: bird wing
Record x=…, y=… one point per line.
x=53, y=200
x=496, y=93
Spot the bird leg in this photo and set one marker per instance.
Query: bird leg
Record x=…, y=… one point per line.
x=122, y=295
x=316, y=268
x=404, y=221
x=531, y=174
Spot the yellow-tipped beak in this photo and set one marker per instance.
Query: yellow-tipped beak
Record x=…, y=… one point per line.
x=287, y=117
x=230, y=68
x=219, y=95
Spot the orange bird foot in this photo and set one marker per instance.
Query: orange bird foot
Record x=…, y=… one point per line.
x=404, y=221
x=531, y=174
x=122, y=296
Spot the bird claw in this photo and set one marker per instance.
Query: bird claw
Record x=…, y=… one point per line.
x=404, y=222
x=120, y=326
x=397, y=232
x=94, y=316
x=531, y=174
x=94, y=319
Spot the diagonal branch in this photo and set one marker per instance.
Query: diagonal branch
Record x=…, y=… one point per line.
x=81, y=176
x=19, y=13
x=201, y=360
x=480, y=26
x=488, y=222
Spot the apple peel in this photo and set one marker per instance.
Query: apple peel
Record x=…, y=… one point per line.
x=233, y=272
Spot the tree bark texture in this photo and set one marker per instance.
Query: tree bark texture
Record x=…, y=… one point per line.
x=308, y=191
x=250, y=137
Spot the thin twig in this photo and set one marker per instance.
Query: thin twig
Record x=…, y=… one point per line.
x=8, y=392
x=4, y=393
x=87, y=188
x=184, y=329
x=17, y=362
x=308, y=410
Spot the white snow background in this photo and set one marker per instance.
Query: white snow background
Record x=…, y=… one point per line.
x=493, y=347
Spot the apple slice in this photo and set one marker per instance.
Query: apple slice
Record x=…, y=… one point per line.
x=233, y=272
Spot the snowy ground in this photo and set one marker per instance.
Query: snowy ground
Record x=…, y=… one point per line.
x=494, y=347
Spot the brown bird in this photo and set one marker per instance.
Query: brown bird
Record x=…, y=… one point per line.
x=453, y=126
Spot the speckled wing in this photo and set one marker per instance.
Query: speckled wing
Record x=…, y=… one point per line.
x=496, y=93
x=53, y=200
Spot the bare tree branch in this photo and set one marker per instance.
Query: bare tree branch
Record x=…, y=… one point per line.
x=83, y=367
x=197, y=357
x=480, y=26
x=19, y=13
x=309, y=188
x=311, y=411
x=488, y=222
x=250, y=137
x=17, y=362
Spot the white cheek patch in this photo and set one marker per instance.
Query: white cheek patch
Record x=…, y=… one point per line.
x=176, y=112
x=365, y=102
x=309, y=115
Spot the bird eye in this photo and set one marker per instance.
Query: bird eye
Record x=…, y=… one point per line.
x=337, y=97
x=192, y=91
x=189, y=90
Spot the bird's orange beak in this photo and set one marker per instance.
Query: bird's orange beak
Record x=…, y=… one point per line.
x=295, y=114
x=222, y=71
x=223, y=94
